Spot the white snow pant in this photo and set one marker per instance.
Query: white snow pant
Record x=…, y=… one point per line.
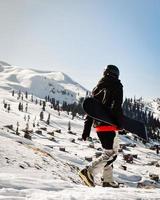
x=104, y=162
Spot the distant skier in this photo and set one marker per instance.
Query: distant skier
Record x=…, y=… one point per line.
x=109, y=91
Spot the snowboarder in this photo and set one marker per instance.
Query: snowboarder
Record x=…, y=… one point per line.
x=109, y=91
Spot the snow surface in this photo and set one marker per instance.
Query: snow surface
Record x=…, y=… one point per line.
x=37, y=170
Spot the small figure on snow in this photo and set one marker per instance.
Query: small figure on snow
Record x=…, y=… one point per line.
x=109, y=91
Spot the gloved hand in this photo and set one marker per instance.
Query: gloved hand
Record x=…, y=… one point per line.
x=84, y=136
x=122, y=132
x=119, y=122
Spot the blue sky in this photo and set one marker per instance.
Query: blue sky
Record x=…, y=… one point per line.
x=80, y=37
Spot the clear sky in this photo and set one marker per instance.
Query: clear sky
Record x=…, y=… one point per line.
x=80, y=37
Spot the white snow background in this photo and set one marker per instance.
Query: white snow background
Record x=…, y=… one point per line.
x=37, y=170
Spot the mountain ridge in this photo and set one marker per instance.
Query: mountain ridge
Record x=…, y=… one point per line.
x=41, y=83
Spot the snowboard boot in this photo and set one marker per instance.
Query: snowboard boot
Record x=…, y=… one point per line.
x=86, y=177
x=113, y=184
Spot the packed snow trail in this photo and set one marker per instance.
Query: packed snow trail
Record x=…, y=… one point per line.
x=22, y=187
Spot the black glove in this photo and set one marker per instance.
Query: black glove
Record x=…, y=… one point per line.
x=119, y=122
x=84, y=136
x=122, y=132
x=87, y=127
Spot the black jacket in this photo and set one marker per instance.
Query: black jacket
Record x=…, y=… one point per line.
x=109, y=91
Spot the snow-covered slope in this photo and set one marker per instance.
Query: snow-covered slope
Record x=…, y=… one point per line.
x=150, y=105
x=38, y=169
x=45, y=168
x=41, y=83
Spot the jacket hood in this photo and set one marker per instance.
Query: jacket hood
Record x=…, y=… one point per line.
x=111, y=82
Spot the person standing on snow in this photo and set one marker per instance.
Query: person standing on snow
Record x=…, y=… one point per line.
x=109, y=91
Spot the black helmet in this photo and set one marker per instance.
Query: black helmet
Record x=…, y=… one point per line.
x=111, y=70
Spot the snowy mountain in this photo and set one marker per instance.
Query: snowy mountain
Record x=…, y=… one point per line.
x=155, y=107
x=46, y=166
x=151, y=105
x=41, y=83
x=2, y=63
